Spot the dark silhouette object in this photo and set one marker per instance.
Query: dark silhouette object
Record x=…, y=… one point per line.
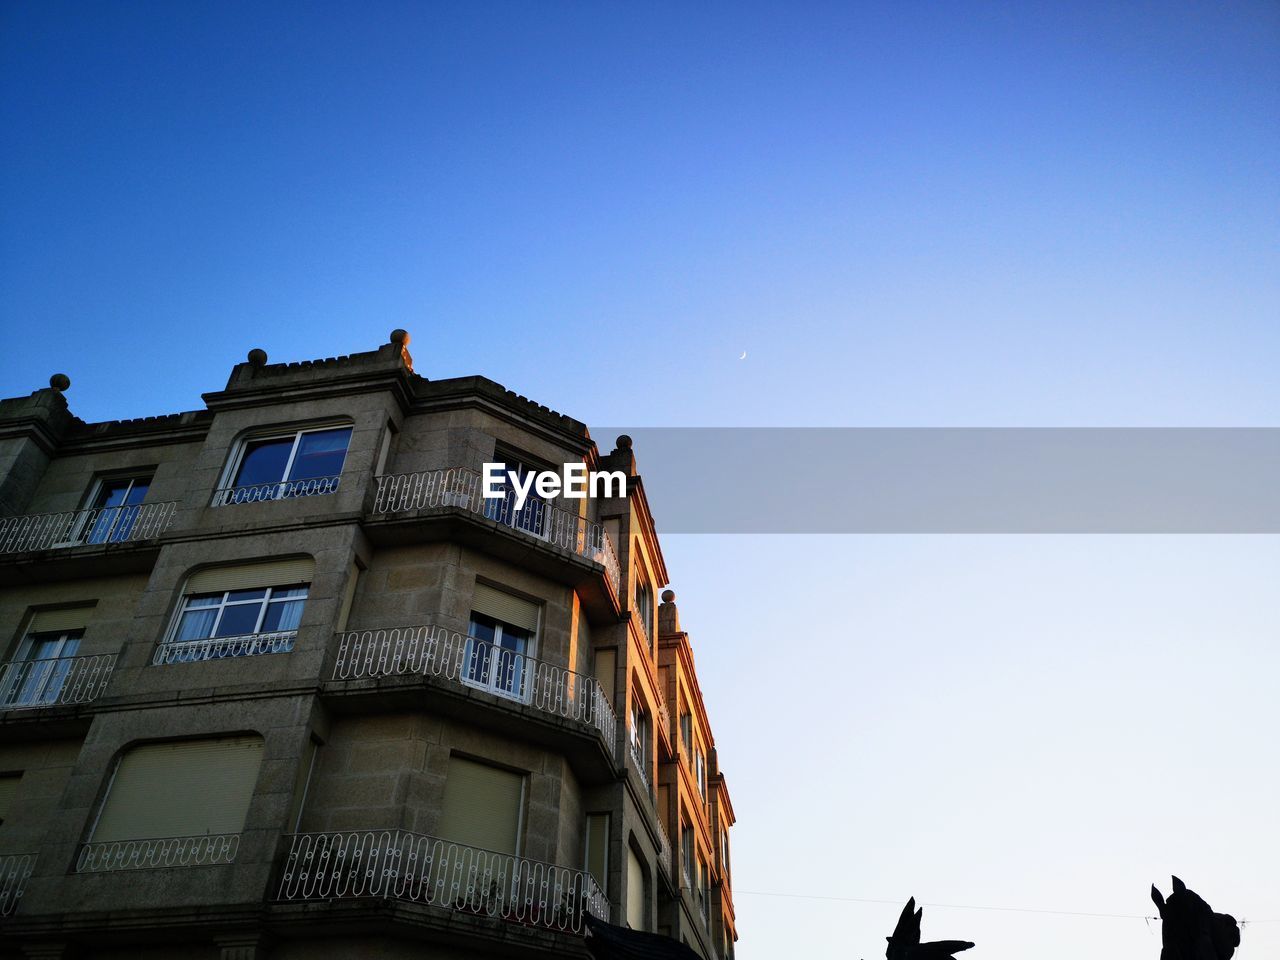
x=1190, y=928
x=905, y=943
x=608, y=942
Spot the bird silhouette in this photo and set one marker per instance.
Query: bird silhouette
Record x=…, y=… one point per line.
x=905, y=943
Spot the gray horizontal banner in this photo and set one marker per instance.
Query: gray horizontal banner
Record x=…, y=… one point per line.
x=959, y=480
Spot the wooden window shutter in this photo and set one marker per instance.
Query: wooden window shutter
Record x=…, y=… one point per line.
x=635, y=892
x=481, y=806
x=185, y=789
x=505, y=607
x=598, y=848
x=59, y=621
x=248, y=576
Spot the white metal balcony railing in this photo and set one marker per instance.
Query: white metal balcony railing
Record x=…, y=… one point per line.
x=686, y=882
x=81, y=528
x=664, y=849
x=398, y=865
x=641, y=761
x=439, y=652
x=275, y=490
x=56, y=681
x=15, y=870
x=157, y=853
x=219, y=648
x=462, y=488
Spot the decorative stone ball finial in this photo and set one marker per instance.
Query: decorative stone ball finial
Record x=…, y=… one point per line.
x=60, y=382
x=668, y=596
x=400, y=336
x=623, y=442
x=258, y=357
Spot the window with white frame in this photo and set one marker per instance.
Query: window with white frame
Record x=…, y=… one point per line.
x=38, y=672
x=298, y=463
x=686, y=733
x=644, y=604
x=500, y=643
x=534, y=516
x=700, y=771
x=116, y=502
x=238, y=611
x=639, y=732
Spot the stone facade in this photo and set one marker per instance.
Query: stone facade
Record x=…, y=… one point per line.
x=363, y=708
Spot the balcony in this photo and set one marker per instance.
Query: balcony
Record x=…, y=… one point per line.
x=275, y=490
x=639, y=756
x=97, y=527
x=218, y=648
x=459, y=489
x=664, y=852
x=157, y=853
x=15, y=870
x=55, y=682
x=411, y=867
x=468, y=663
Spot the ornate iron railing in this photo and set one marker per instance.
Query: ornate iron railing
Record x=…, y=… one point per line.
x=642, y=764
x=664, y=849
x=462, y=488
x=157, y=853
x=218, y=648
x=56, y=681
x=275, y=490
x=398, y=865
x=436, y=651
x=15, y=870
x=81, y=528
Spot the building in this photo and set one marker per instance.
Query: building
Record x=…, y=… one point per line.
x=281, y=683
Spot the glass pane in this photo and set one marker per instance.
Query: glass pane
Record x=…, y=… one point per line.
x=477, y=654
x=204, y=600
x=236, y=596
x=264, y=461
x=138, y=492
x=282, y=615
x=282, y=593
x=196, y=624
x=320, y=454
x=239, y=620
x=509, y=660
x=113, y=493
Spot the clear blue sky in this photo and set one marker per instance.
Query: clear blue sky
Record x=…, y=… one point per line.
x=906, y=214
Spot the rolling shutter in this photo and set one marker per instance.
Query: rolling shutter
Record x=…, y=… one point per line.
x=59, y=621
x=481, y=806
x=598, y=848
x=505, y=607
x=8, y=790
x=276, y=573
x=635, y=891
x=185, y=789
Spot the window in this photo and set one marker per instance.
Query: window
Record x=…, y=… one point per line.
x=8, y=790
x=639, y=731
x=298, y=464
x=637, y=894
x=704, y=901
x=482, y=806
x=724, y=853
x=238, y=611
x=686, y=733
x=700, y=771
x=500, y=639
x=44, y=659
x=596, y=858
x=534, y=517
x=644, y=604
x=117, y=502
x=686, y=853
x=193, y=790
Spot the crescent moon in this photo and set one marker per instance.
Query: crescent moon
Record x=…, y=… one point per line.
x=744, y=355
